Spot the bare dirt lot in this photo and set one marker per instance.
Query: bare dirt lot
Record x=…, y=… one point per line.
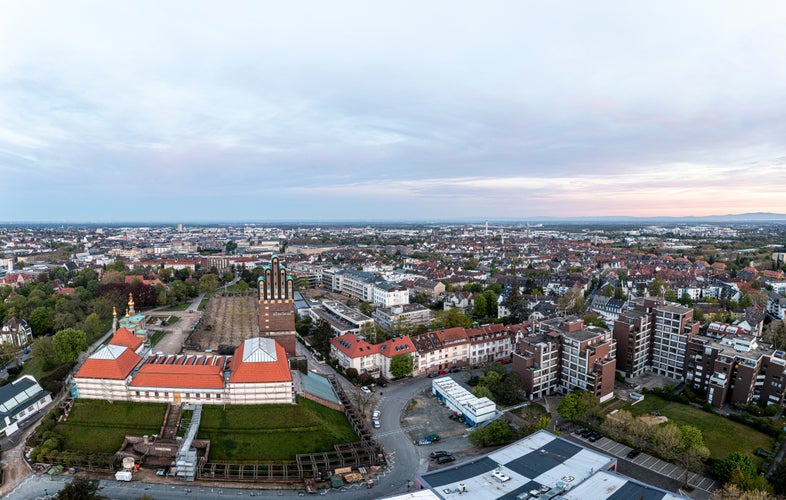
x=425, y=415
x=227, y=320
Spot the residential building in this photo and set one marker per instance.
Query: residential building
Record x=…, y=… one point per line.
x=387, y=294
x=20, y=400
x=432, y=289
x=564, y=355
x=736, y=369
x=441, y=350
x=16, y=333
x=352, y=351
x=490, y=343
x=343, y=319
x=406, y=314
x=776, y=305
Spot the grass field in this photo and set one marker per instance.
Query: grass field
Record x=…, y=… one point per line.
x=272, y=432
x=203, y=303
x=99, y=426
x=721, y=435
x=181, y=307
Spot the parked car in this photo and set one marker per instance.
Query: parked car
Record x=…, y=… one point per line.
x=595, y=436
x=578, y=430
x=443, y=372
x=633, y=454
x=437, y=454
x=375, y=415
x=421, y=442
x=586, y=433
x=455, y=369
x=432, y=437
x=366, y=389
x=445, y=459
x=433, y=375
x=375, y=424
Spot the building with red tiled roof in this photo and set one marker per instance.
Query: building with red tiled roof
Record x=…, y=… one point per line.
x=106, y=373
x=355, y=352
x=124, y=337
x=258, y=373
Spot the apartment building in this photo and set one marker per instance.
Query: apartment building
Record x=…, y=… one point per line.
x=353, y=351
x=490, y=343
x=652, y=336
x=736, y=369
x=404, y=314
x=537, y=360
x=565, y=355
x=388, y=294
x=440, y=350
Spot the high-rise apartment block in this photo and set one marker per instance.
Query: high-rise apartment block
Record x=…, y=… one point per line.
x=565, y=355
x=652, y=337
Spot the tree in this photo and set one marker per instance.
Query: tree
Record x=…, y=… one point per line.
x=92, y=326
x=733, y=492
x=572, y=302
x=497, y=432
x=656, y=288
x=44, y=351
x=491, y=303
x=451, y=318
x=208, y=283
x=363, y=401
x=68, y=344
x=735, y=460
x=230, y=247
x=593, y=319
x=320, y=338
x=480, y=310
x=517, y=306
x=481, y=391
x=401, y=365
x=40, y=321
x=778, y=478
x=80, y=489
x=579, y=406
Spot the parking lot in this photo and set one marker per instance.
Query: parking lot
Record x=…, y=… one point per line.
x=648, y=462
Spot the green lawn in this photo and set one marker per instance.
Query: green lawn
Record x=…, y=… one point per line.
x=721, y=435
x=180, y=307
x=156, y=337
x=172, y=320
x=99, y=426
x=203, y=303
x=272, y=432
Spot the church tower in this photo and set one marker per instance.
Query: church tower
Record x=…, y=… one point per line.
x=276, y=295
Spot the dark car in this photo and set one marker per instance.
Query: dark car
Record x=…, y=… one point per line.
x=595, y=436
x=437, y=454
x=455, y=369
x=433, y=375
x=445, y=459
x=586, y=433
x=578, y=430
x=633, y=454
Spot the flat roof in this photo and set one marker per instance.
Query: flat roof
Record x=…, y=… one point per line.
x=541, y=461
x=612, y=486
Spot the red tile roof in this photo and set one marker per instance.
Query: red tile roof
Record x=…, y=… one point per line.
x=110, y=362
x=124, y=337
x=180, y=376
x=260, y=371
x=353, y=346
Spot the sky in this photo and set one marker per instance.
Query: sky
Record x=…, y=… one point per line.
x=178, y=111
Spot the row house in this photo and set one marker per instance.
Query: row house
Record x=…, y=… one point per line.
x=736, y=369
x=564, y=355
x=491, y=343
x=353, y=351
x=441, y=350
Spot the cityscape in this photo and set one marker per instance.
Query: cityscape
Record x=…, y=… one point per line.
x=406, y=250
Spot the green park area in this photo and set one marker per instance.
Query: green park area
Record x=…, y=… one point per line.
x=95, y=426
x=252, y=433
x=179, y=307
x=721, y=435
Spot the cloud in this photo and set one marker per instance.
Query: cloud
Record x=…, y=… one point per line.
x=505, y=108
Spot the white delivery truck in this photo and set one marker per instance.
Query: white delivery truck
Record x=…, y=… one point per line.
x=123, y=475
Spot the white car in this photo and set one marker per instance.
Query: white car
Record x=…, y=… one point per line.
x=365, y=389
x=375, y=424
x=375, y=415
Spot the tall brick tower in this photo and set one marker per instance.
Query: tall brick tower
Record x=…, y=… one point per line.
x=277, y=306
